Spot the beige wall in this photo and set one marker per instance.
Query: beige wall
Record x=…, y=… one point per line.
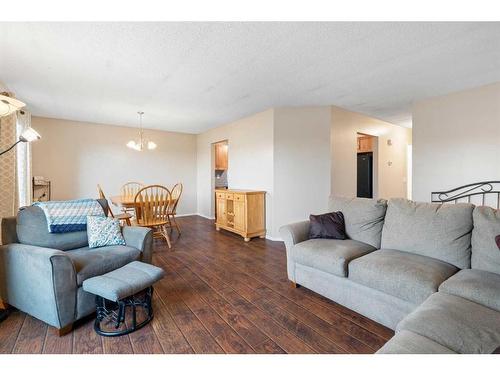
x=391, y=179
x=76, y=156
x=250, y=151
x=302, y=163
x=456, y=140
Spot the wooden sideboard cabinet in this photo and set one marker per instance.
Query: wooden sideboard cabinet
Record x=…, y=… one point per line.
x=241, y=212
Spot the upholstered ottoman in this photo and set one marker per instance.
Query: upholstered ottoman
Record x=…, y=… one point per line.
x=123, y=289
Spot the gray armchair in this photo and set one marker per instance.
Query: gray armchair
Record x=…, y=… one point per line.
x=41, y=273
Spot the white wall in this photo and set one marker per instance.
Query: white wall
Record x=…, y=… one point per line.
x=250, y=155
x=456, y=140
x=391, y=179
x=302, y=163
x=77, y=156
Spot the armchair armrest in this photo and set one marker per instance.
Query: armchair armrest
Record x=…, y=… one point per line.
x=294, y=233
x=140, y=238
x=39, y=281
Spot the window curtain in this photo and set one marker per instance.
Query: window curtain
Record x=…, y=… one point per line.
x=23, y=160
x=9, y=198
x=15, y=165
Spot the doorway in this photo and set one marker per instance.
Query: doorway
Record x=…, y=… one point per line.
x=219, y=169
x=365, y=173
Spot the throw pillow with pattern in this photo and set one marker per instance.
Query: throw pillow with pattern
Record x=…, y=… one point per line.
x=104, y=231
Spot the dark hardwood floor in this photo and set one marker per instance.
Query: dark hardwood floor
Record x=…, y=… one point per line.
x=220, y=295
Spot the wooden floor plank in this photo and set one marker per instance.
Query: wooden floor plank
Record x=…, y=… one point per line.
x=9, y=331
x=31, y=337
x=249, y=332
x=57, y=345
x=169, y=335
x=85, y=340
x=195, y=333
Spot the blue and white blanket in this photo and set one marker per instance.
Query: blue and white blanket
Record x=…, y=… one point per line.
x=69, y=216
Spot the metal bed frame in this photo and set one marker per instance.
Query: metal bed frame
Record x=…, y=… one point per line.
x=466, y=193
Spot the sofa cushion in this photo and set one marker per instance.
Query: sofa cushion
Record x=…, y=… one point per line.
x=363, y=217
x=485, y=253
x=95, y=262
x=478, y=286
x=330, y=225
x=327, y=255
x=456, y=323
x=407, y=342
x=441, y=231
x=404, y=275
x=32, y=230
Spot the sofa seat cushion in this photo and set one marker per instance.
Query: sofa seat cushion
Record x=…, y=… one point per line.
x=456, y=323
x=478, y=286
x=407, y=342
x=95, y=262
x=404, y=275
x=331, y=256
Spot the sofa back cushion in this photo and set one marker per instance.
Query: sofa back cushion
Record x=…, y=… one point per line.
x=363, y=217
x=32, y=230
x=440, y=231
x=485, y=252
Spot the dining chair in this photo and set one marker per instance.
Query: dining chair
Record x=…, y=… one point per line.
x=124, y=217
x=130, y=189
x=152, y=205
x=176, y=196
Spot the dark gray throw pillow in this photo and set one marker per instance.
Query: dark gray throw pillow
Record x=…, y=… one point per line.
x=330, y=225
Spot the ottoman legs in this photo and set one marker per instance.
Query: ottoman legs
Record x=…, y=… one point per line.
x=115, y=313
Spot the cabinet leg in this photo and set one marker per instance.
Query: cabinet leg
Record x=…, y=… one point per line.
x=263, y=236
x=217, y=228
x=293, y=284
x=4, y=305
x=246, y=239
x=65, y=330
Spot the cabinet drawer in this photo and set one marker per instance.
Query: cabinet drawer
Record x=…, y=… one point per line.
x=239, y=197
x=221, y=195
x=230, y=196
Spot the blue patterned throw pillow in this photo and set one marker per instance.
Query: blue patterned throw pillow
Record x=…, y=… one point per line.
x=104, y=231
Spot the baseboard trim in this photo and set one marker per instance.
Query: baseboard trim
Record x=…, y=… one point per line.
x=182, y=215
x=206, y=217
x=278, y=239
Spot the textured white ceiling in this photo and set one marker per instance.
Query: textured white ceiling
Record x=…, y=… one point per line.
x=189, y=77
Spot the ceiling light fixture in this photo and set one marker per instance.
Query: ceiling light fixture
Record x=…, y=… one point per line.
x=141, y=143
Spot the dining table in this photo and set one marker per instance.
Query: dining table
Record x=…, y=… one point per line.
x=124, y=201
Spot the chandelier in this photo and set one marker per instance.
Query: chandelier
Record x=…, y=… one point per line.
x=141, y=143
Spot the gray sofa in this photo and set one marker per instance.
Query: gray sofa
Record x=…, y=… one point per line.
x=41, y=273
x=431, y=272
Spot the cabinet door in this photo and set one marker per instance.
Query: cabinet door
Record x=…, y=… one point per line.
x=221, y=212
x=239, y=215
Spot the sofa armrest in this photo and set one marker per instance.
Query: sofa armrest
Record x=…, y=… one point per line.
x=140, y=238
x=39, y=281
x=294, y=233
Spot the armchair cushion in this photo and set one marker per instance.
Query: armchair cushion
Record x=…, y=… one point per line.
x=95, y=262
x=104, y=231
x=32, y=230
